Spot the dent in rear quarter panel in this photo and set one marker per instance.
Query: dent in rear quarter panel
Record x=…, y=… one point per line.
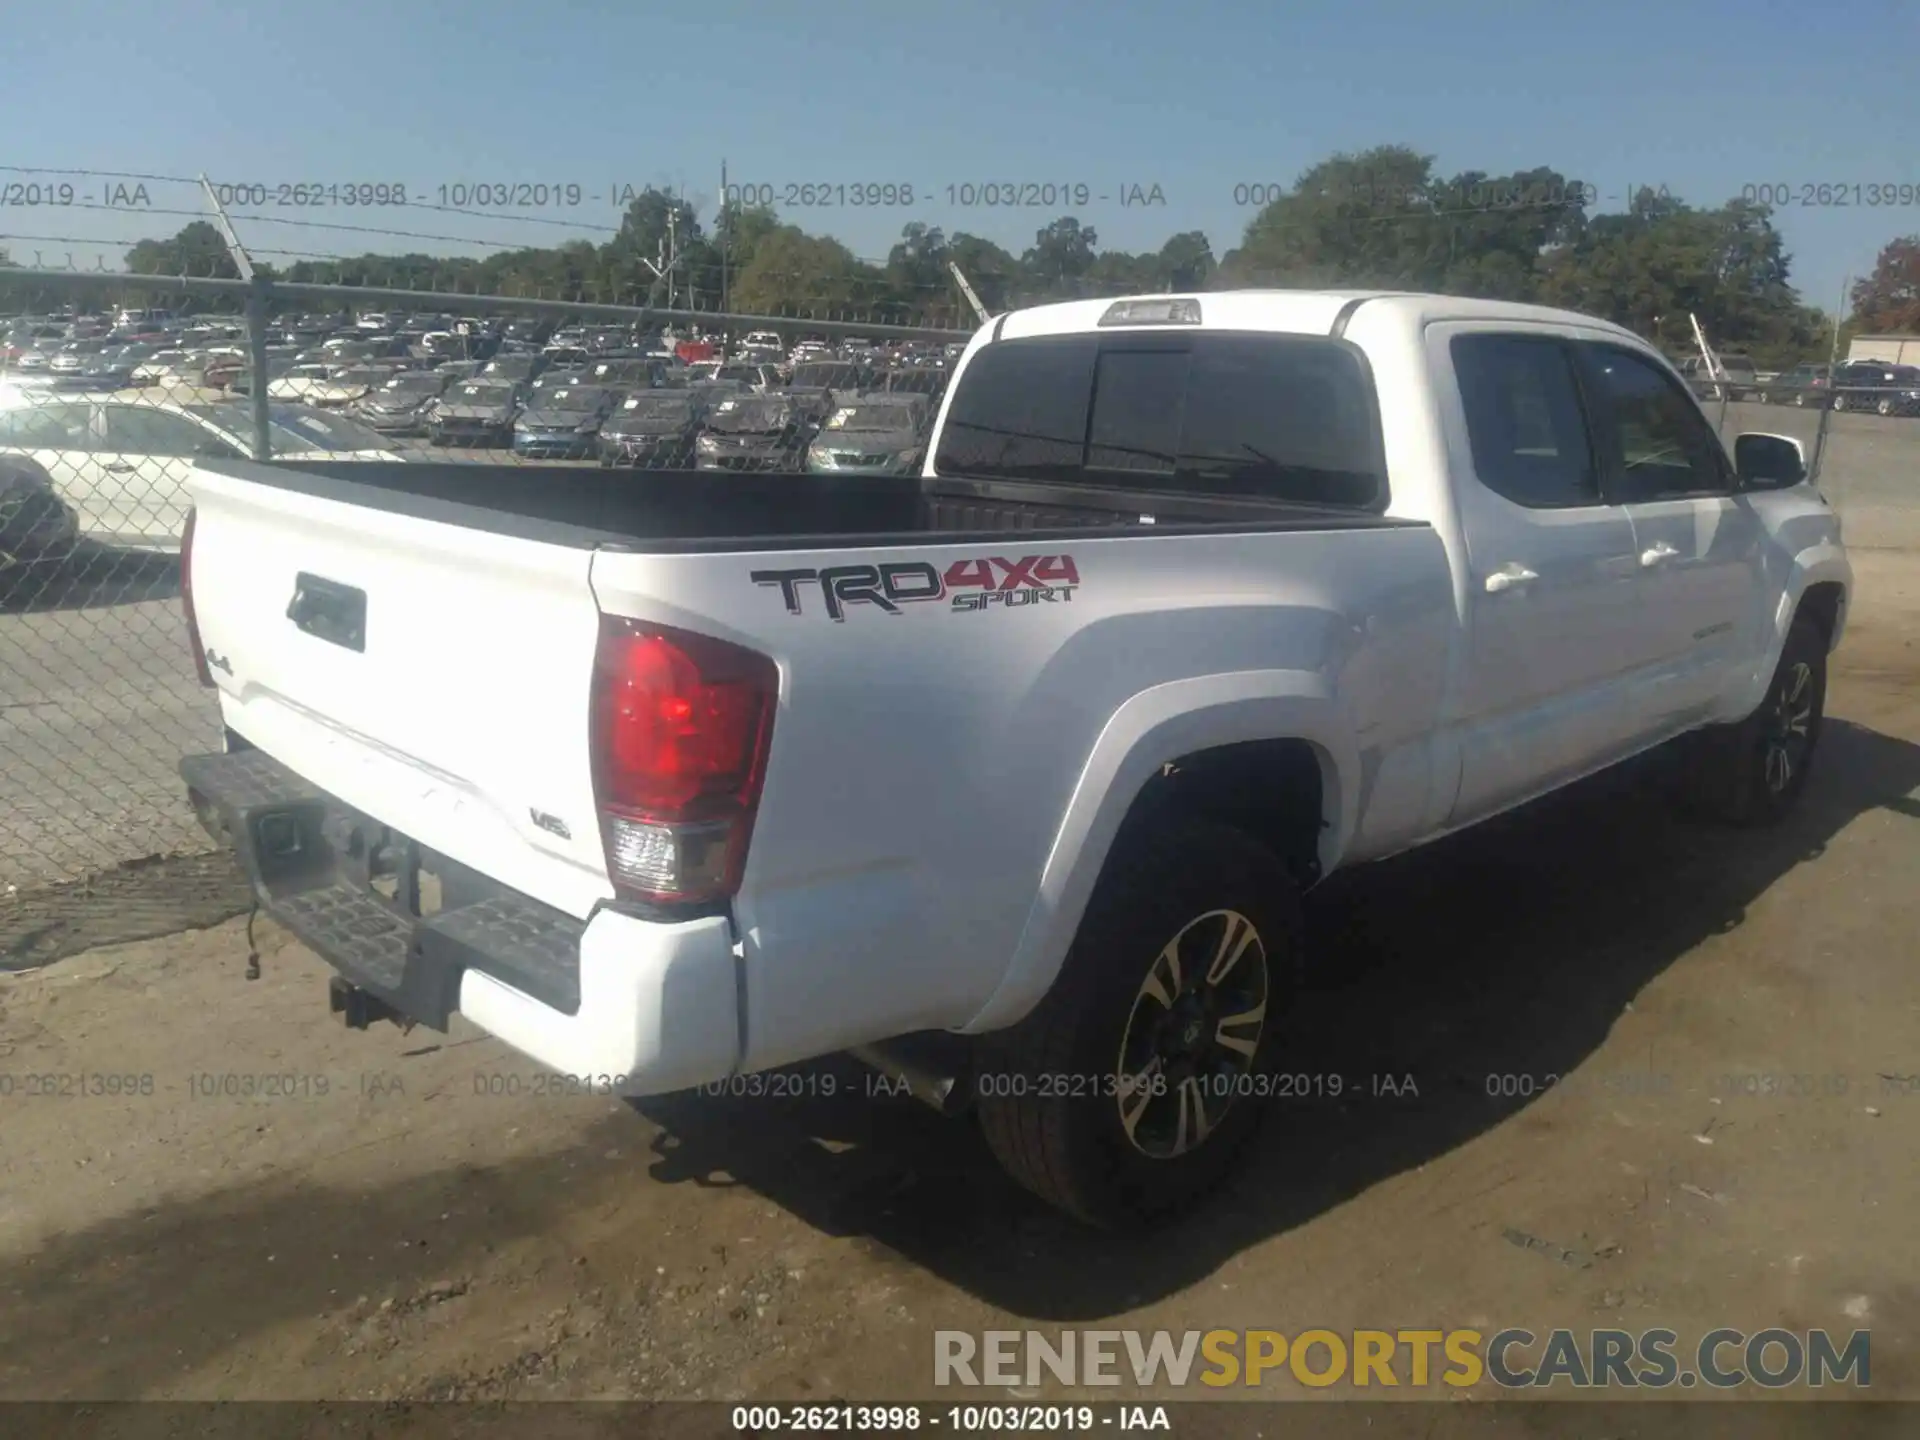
x=923, y=763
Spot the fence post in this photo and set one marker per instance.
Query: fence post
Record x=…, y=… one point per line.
x=256, y=319
x=257, y=363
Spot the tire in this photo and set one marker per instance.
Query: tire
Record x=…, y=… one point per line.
x=1734, y=773
x=1800, y=400
x=1051, y=1104
x=1838, y=403
x=1883, y=406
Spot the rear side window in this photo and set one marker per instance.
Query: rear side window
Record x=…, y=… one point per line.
x=1524, y=420
x=1021, y=411
x=1261, y=415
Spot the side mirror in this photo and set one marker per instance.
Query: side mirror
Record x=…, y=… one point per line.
x=1769, y=462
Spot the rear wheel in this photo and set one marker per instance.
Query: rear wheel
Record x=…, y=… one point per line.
x=1839, y=402
x=1131, y=1089
x=1883, y=406
x=1752, y=773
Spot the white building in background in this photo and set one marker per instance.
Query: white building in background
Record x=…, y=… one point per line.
x=1891, y=349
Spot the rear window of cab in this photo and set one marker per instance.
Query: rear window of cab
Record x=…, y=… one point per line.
x=1242, y=414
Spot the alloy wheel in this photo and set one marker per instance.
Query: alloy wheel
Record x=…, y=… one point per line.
x=1193, y=1035
x=1789, y=729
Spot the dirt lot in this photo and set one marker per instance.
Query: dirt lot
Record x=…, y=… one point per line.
x=407, y=1220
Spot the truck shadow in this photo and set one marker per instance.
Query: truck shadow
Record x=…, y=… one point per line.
x=91, y=577
x=1511, y=950
x=1507, y=951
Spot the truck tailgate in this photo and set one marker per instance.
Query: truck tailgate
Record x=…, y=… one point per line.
x=432, y=676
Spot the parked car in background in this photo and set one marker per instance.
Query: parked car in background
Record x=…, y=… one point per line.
x=758, y=432
x=1873, y=385
x=165, y=367
x=114, y=367
x=627, y=372
x=399, y=404
x=1904, y=399
x=758, y=376
x=841, y=377
x=120, y=463
x=438, y=345
x=912, y=380
x=563, y=422
x=320, y=385
x=481, y=411
x=528, y=332
x=520, y=368
x=36, y=525
x=73, y=357
x=234, y=370
x=1738, y=379
x=654, y=429
x=874, y=435
x=1799, y=385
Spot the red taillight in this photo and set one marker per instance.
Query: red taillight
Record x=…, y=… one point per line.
x=680, y=729
x=186, y=603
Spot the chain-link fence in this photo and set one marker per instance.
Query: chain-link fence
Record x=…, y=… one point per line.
x=111, y=386
x=1859, y=424
x=111, y=389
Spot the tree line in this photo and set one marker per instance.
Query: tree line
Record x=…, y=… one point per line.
x=1381, y=218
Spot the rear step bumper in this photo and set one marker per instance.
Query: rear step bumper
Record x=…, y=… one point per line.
x=635, y=1006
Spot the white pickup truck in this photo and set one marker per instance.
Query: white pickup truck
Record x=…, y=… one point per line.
x=664, y=778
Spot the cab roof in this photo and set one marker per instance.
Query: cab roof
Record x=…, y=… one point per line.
x=1298, y=312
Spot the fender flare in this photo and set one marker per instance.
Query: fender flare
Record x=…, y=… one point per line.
x=1146, y=733
x=1821, y=564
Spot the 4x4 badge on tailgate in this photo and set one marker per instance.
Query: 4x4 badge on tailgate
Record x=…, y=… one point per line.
x=980, y=584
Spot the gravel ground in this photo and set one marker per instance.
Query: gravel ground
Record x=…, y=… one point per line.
x=406, y=1219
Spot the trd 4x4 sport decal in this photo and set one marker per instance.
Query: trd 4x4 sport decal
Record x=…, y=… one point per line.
x=989, y=583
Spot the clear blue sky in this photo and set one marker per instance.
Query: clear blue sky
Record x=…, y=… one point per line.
x=1704, y=96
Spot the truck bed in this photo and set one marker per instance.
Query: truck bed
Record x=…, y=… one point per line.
x=419, y=648
x=717, y=511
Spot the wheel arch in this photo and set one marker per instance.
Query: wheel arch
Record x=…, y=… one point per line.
x=1819, y=588
x=1267, y=752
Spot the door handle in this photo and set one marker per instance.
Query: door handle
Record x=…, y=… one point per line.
x=1509, y=577
x=329, y=611
x=117, y=468
x=1657, y=555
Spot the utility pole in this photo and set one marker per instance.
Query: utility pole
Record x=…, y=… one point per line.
x=1833, y=365
x=1715, y=372
x=726, y=237
x=669, y=251
x=967, y=290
